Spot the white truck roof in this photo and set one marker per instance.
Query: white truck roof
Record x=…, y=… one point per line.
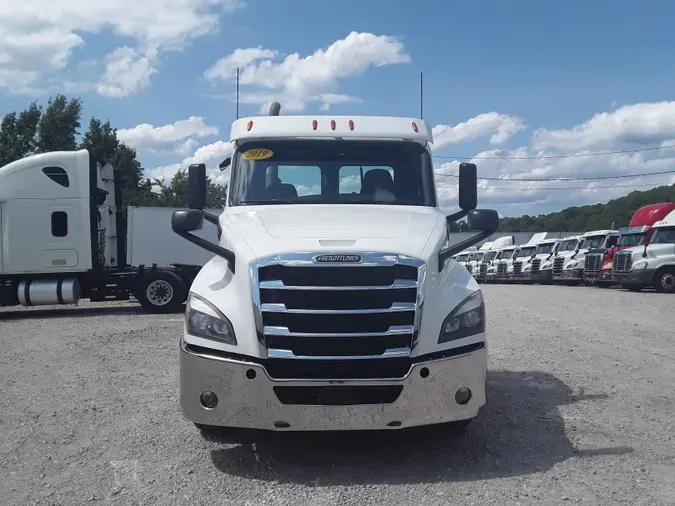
x=668, y=221
x=598, y=232
x=352, y=127
x=536, y=239
x=485, y=246
x=502, y=242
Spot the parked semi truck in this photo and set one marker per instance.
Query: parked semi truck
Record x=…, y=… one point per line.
x=552, y=268
x=309, y=317
x=591, y=242
x=598, y=265
x=62, y=238
x=480, y=271
x=502, y=268
x=652, y=264
x=545, y=249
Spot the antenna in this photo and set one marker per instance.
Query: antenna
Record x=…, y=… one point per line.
x=421, y=95
x=237, y=92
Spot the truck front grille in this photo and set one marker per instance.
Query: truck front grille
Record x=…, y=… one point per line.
x=341, y=311
x=501, y=268
x=517, y=267
x=536, y=264
x=623, y=261
x=592, y=262
x=483, y=269
x=558, y=264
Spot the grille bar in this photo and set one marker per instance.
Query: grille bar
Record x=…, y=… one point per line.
x=623, y=261
x=396, y=307
x=393, y=331
x=397, y=284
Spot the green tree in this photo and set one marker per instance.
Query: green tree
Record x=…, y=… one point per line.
x=18, y=134
x=175, y=194
x=58, y=126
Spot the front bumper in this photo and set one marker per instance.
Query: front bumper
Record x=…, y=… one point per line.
x=570, y=275
x=249, y=398
x=635, y=279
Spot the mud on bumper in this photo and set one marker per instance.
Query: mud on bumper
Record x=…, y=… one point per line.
x=249, y=398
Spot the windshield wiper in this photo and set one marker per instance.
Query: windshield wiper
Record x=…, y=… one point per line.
x=270, y=201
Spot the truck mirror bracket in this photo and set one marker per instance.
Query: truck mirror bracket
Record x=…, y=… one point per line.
x=446, y=253
x=209, y=246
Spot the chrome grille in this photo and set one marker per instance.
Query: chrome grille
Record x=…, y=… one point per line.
x=536, y=265
x=517, y=267
x=623, y=261
x=338, y=311
x=483, y=269
x=558, y=264
x=592, y=262
x=501, y=268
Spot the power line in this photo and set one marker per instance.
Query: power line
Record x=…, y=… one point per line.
x=544, y=157
x=581, y=187
x=563, y=179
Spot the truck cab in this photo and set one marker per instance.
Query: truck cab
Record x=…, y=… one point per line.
x=502, y=269
x=545, y=250
x=476, y=258
x=309, y=317
x=480, y=271
x=573, y=269
x=639, y=231
x=651, y=264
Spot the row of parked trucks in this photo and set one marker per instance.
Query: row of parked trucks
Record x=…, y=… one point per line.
x=641, y=255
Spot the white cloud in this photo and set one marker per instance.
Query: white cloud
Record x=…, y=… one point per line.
x=38, y=37
x=629, y=126
x=643, y=125
x=500, y=127
x=295, y=80
x=211, y=155
x=181, y=135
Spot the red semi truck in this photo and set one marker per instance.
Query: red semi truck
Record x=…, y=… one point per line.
x=598, y=264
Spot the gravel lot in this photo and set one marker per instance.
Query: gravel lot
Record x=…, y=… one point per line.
x=582, y=410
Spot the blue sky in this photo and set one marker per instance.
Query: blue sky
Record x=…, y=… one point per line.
x=536, y=69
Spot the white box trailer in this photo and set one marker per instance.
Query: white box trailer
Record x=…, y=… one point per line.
x=150, y=239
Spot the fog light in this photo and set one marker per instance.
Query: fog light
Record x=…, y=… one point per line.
x=463, y=395
x=209, y=400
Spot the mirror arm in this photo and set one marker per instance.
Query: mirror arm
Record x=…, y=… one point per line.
x=211, y=218
x=456, y=216
x=644, y=251
x=446, y=253
x=209, y=246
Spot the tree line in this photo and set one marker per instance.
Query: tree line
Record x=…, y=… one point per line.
x=56, y=127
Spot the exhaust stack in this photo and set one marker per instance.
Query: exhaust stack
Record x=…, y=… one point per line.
x=275, y=108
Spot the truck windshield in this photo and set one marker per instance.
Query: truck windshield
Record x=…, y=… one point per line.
x=476, y=256
x=593, y=241
x=665, y=235
x=332, y=172
x=461, y=258
x=490, y=255
x=544, y=249
x=526, y=252
x=630, y=240
x=568, y=245
x=505, y=255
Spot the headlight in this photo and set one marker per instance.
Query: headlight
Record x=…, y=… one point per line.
x=467, y=319
x=202, y=319
x=608, y=266
x=510, y=268
x=572, y=264
x=547, y=265
x=527, y=268
x=638, y=266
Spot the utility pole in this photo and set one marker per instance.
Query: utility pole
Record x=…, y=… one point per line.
x=237, y=92
x=421, y=95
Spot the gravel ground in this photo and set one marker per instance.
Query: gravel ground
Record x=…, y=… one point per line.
x=582, y=410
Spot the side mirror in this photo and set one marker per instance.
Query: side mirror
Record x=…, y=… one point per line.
x=468, y=186
x=225, y=163
x=197, y=186
x=484, y=220
x=183, y=222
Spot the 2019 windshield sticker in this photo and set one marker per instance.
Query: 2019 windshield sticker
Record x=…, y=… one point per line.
x=257, y=154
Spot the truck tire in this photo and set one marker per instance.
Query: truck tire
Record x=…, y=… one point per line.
x=161, y=292
x=664, y=280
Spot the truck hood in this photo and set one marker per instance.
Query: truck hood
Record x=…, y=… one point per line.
x=275, y=229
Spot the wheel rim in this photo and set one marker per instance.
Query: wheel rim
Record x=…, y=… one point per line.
x=159, y=292
x=668, y=281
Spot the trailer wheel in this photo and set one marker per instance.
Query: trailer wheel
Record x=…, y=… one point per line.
x=664, y=281
x=161, y=292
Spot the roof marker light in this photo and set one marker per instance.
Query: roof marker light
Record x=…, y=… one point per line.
x=351, y=125
x=415, y=127
x=315, y=124
x=249, y=126
x=332, y=124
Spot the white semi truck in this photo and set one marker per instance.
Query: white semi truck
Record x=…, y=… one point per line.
x=332, y=301
x=651, y=265
x=480, y=271
x=62, y=238
x=552, y=268
x=545, y=249
x=596, y=240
